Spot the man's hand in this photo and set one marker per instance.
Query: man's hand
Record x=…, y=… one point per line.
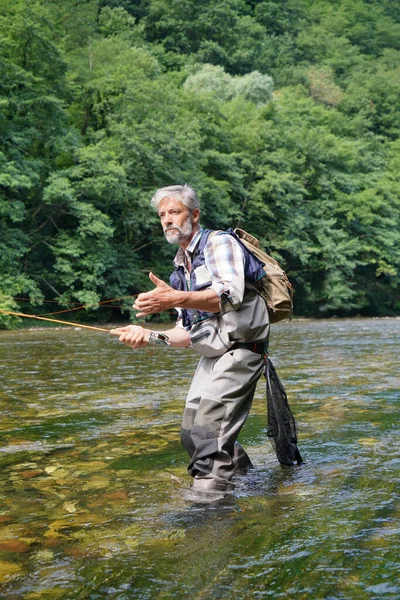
x=158, y=300
x=132, y=335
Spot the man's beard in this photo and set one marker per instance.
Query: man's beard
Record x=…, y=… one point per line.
x=175, y=234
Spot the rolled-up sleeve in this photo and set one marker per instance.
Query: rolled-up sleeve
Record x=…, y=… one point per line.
x=224, y=261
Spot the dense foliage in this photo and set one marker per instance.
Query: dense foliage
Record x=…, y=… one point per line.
x=284, y=116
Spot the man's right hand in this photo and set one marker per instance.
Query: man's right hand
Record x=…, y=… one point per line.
x=160, y=299
x=132, y=335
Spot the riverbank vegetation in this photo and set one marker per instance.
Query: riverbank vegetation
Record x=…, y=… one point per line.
x=284, y=116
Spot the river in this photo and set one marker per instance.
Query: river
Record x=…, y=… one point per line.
x=92, y=472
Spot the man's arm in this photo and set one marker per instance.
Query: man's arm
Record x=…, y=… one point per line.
x=164, y=297
x=138, y=337
x=224, y=260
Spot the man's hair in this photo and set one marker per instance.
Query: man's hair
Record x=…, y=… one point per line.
x=184, y=193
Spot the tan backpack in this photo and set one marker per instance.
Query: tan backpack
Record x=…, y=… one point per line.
x=275, y=288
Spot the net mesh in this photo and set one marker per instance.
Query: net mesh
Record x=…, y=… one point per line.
x=281, y=424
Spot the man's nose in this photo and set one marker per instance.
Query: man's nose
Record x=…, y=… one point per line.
x=166, y=220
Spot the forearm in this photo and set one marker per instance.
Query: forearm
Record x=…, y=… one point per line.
x=178, y=337
x=207, y=300
x=138, y=337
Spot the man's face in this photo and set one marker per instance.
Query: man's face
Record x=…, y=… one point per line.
x=176, y=220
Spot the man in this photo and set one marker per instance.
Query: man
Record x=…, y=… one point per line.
x=222, y=320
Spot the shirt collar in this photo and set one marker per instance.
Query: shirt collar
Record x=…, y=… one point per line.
x=179, y=259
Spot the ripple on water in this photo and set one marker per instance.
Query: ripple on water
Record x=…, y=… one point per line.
x=93, y=472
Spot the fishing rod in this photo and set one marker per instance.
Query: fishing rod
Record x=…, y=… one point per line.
x=18, y=314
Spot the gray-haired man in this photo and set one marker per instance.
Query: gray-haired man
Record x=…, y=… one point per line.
x=222, y=320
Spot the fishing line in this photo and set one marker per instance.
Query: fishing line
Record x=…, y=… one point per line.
x=81, y=306
x=84, y=306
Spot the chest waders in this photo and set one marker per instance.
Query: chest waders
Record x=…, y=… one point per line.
x=221, y=394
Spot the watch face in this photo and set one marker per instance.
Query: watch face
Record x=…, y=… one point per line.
x=159, y=338
x=163, y=337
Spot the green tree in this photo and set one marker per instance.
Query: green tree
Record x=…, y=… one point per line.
x=32, y=123
x=284, y=116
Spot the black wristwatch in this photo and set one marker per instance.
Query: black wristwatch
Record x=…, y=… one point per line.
x=159, y=338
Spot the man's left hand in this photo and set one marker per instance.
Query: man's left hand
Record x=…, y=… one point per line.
x=158, y=300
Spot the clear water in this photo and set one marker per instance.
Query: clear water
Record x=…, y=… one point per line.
x=92, y=472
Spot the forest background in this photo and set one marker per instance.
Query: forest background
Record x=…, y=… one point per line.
x=284, y=116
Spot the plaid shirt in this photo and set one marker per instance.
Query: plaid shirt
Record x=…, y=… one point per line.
x=224, y=261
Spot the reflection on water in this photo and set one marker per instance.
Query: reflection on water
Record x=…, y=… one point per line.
x=92, y=472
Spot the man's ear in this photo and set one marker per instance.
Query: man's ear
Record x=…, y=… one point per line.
x=195, y=216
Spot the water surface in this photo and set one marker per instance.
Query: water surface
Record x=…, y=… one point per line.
x=92, y=472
